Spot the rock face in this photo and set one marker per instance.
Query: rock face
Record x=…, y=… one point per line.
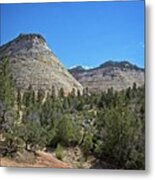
x=34, y=64
x=118, y=75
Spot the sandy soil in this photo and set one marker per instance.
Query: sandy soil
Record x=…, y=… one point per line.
x=43, y=159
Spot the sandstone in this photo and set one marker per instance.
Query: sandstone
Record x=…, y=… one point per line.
x=119, y=75
x=34, y=64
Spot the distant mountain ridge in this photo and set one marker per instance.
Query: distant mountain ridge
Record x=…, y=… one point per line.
x=118, y=75
x=121, y=64
x=109, y=63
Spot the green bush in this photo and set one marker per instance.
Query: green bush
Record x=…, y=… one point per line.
x=121, y=138
x=59, y=152
x=68, y=132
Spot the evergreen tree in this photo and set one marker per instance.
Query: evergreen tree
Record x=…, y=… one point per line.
x=7, y=96
x=78, y=93
x=40, y=96
x=6, y=83
x=120, y=136
x=73, y=93
x=19, y=98
x=61, y=93
x=53, y=94
x=29, y=98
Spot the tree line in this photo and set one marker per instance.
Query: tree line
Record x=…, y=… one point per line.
x=108, y=125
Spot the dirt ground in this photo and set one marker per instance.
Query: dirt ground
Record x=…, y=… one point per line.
x=43, y=159
x=73, y=158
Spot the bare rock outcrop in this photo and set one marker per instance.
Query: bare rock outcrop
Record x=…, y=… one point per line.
x=34, y=64
x=119, y=75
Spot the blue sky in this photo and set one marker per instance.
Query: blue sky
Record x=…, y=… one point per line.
x=83, y=33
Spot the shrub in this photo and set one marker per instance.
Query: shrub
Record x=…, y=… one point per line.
x=59, y=152
x=121, y=138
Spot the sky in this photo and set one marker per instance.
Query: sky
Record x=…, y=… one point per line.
x=81, y=33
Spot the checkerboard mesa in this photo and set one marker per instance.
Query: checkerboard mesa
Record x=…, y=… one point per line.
x=34, y=64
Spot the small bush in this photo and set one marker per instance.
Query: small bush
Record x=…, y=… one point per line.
x=59, y=152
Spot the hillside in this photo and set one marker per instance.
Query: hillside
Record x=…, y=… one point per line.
x=84, y=130
x=34, y=64
x=119, y=75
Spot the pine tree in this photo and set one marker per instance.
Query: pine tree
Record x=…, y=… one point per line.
x=53, y=94
x=7, y=90
x=78, y=93
x=61, y=93
x=73, y=93
x=40, y=95
x=29, y=98
x=7, y=96
x=19, y=98
x=8, y=114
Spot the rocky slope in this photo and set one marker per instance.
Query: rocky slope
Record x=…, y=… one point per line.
x=34, y=64
x=118, y=75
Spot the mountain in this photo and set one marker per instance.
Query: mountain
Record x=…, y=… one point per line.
x=118, y=75
x=34, y=64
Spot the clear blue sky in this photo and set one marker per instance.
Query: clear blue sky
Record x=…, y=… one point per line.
x=87, y=33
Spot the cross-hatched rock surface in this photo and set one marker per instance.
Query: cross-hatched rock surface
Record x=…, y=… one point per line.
x=34, y=64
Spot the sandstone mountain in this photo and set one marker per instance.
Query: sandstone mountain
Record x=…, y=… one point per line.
x=118, y=75
x=34, y=64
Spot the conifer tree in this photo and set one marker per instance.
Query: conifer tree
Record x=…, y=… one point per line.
x=7, y=96
x=61, y=93
x=53, y=94
x=6, y=83
x=40, y=96
x=29, y=97
x=19, y=98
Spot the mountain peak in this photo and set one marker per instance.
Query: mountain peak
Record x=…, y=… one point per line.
x=30, y=36
x=25, y=38
x=34, y=64
x=77, y=68
x=27, y=46
x=120, y=64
